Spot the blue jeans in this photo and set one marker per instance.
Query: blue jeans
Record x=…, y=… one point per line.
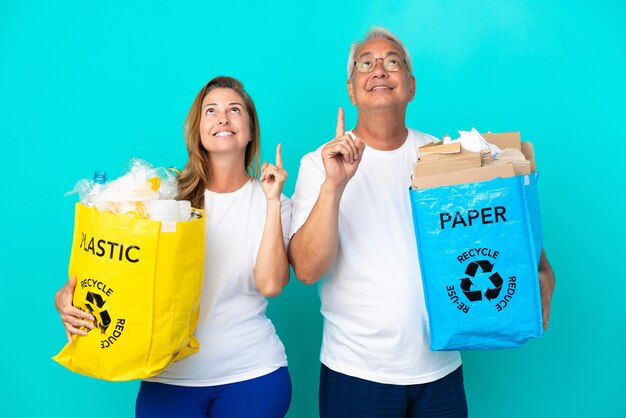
x=343, y=396
x=267, y=396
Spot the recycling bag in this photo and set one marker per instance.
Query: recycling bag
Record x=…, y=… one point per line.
x=479, y=246
x=143, y=288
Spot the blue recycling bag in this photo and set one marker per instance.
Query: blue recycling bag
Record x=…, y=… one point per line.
x=479, y=246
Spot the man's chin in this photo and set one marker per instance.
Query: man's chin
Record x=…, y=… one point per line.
x=382, y=103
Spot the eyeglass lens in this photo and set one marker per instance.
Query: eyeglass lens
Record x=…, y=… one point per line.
x=367, y=64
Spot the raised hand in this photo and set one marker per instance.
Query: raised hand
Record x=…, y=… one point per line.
x=341, y=156
x=273, y=177
x=73, y=318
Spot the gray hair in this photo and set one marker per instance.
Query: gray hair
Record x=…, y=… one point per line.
x=374, y=33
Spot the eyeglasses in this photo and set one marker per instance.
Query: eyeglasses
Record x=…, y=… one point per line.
x=366, y=63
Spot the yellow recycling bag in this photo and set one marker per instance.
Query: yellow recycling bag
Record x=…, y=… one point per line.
x=143, y=287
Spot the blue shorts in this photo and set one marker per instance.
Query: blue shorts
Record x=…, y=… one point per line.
x=343, y=396
x=267, y=396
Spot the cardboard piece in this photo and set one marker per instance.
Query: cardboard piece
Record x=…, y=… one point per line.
x=513, y=140
x=472, y=175
x=504, y=140
x=440, y=148
x=442, y=164
x=529, y=152
x=438, y=158
x=511, y=156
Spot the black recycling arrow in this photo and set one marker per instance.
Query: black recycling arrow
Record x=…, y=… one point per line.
x=496, y=280
x=471, y=295
x=472, y=267
x=105, y=318
x=485, y=265
x=95, y=298
x=466, y=283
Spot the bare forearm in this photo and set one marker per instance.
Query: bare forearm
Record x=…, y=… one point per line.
x=271, y=271
x=544, y=264
x=313, y=248
x=547, y=282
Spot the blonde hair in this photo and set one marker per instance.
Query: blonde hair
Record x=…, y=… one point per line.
x=196, y=175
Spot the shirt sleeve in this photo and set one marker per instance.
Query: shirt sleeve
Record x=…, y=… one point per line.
x=310, y=178
x=285, y=217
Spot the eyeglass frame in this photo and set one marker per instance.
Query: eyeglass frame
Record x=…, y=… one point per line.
x=354, y=66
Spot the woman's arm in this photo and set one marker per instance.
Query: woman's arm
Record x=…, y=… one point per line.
x=271, y=270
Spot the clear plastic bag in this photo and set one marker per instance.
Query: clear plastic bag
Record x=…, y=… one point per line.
x=131, y=193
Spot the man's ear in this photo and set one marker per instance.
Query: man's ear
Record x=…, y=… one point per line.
x=351, y=91
x=412, y=88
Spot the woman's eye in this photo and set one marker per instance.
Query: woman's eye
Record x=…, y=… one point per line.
x=210, y=111
x=235, y=110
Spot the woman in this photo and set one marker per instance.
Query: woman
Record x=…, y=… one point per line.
x=241, y=368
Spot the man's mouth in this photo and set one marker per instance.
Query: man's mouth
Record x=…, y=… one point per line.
x=381, y=88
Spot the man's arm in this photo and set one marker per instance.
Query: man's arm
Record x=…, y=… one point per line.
x=546, y=286
x=313, y=248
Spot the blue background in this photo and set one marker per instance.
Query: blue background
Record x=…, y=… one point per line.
x=84, y=85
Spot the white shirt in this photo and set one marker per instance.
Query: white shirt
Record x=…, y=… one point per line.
x=237, y=341
x=375, y=319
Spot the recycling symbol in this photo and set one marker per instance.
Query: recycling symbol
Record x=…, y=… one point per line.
x=95, y=303
x=476, y=295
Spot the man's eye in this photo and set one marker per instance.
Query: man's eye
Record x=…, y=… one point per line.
x=393, y=61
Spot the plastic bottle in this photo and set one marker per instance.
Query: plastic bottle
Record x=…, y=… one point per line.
x=93, y=187
x=99, y=181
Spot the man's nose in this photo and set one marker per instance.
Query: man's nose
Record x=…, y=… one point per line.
x=379, y=69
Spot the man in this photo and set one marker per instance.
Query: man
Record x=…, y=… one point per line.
x=352, y=222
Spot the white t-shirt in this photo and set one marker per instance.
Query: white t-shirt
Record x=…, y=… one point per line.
x=237, y=341
x=375, y=319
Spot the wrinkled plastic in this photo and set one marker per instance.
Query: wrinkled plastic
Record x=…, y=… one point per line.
x=131, y=193
x=479, y=246
x=169, y=184
x=83, y=187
